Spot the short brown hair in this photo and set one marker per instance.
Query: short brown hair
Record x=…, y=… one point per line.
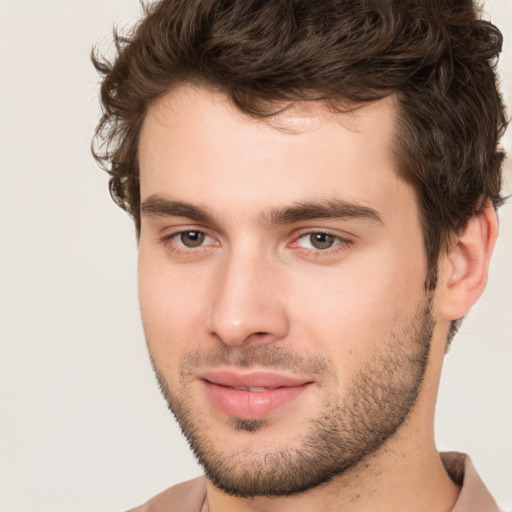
x=437, y=56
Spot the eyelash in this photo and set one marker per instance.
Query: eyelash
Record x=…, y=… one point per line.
x=167, y=241
x=340, y=243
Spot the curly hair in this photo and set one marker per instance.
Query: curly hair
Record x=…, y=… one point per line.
x=436, y=56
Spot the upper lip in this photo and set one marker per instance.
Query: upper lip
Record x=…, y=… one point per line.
x=252, y=378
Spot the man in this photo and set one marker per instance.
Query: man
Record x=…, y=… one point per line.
x=314, y=187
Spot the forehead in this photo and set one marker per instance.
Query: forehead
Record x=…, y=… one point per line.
x=196, y=144
x=191, y=103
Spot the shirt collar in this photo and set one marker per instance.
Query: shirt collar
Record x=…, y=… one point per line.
x=474, y=496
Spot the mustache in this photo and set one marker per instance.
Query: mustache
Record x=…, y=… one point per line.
x=261, y=356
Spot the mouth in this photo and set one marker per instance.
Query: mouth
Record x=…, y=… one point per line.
x=251, y=394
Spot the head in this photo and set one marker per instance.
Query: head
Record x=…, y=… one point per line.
x=192, y=70
x=436, y=58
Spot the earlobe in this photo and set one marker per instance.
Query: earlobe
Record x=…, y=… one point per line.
x=464, y=268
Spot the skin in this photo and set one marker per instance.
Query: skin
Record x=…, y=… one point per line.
x=254, y=282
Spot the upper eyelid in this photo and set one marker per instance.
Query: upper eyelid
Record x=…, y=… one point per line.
x=325, y=231
x=170, y=231
x=174, y=234
x=180, y=224
x=341, y=240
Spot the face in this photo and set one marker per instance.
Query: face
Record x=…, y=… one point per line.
x=281, y=283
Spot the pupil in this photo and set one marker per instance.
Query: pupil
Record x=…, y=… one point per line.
x=192, y=238
x=321, y=240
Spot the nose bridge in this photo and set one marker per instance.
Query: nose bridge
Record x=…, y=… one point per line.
x=247, y=305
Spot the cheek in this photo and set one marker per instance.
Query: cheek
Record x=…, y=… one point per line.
x=349, y=312
x=171, y=308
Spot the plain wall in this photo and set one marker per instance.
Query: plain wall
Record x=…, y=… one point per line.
x=82, y=424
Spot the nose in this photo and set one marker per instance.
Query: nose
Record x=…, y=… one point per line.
x=249, y=304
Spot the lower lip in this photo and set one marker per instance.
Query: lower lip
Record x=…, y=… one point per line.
x=251, y=405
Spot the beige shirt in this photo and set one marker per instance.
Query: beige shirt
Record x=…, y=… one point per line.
x=474, y=497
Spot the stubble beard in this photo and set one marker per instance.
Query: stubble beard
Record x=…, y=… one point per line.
x=377, y=402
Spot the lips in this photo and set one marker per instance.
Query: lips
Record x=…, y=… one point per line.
x=251, y=394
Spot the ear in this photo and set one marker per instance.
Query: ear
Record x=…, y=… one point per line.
x=465, y=267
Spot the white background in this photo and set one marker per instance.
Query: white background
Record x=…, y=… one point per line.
x=82, y=425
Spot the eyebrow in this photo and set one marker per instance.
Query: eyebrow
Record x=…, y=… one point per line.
x=158, y=206
x=328, y=209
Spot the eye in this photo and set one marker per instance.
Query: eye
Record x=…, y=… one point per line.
x=191, y=238
x=318, y=241
x=188, y=243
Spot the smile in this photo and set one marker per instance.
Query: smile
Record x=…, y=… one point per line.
x=253, y=389
x=251, y=395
